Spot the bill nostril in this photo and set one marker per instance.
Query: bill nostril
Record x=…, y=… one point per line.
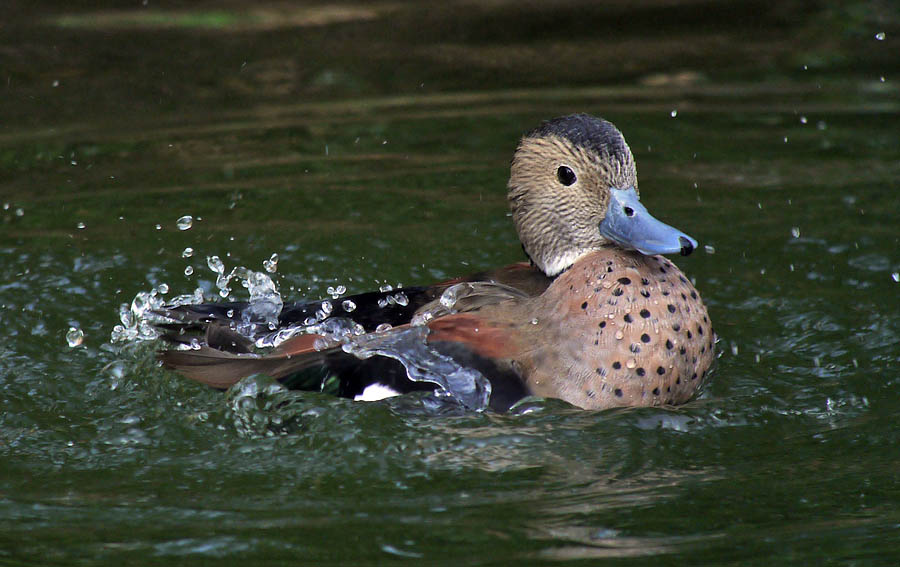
x=686, y=246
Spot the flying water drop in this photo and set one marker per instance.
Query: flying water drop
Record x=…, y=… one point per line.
x=74, y=337
x=185, y=222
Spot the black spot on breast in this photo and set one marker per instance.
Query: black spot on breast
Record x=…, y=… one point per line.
x=584, y=305
x=625, y=281
x=645, y=314
x=645, y=293
x=589, y=393
x=671, y=308
x=655, y=391
x=617, y=365
x=694, y=377
x=682, y=350
x=601, y=372
x=669, y=344
x=645, y=338
x=627, y=318
x=678, y=380
x=682, y=279
x=700, y=330
x=676, y=327
x=635, y=348
x=665, y=293
x=693, y=294
x=645, y=281
x=640, y=371
x=601, y=324
x=690, y=335
x=609, y=269
x=618, y=392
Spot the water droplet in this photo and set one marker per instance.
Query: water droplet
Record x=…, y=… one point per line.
x=896, y=276
x=534, y=321
x=163, y=288
x=385, y=287
x=673, y=114
x=74, y=337
x=821, y=125
x=619, y=334
x=880, y=36
x=785, y=139
x=187, y=252
x=795, y=232
x=271, y=265
x=215, y=264
x=189, y=271
x=55, y=83
x=336, y=292
x=195, y=344
x=348, y=305
x=791, y=267
x=327, y=308
x=709, y=249
x=383, y=327
x=734, y=350
x=803, y=120
x=401, y=299
x=185, y=222
x=80, y=226
x=20, y=212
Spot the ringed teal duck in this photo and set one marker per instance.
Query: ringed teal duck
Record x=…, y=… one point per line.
x=597, y=318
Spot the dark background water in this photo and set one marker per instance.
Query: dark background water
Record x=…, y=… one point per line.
x=369, y=143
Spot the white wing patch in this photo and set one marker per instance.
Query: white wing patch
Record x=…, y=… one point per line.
x=375, y=392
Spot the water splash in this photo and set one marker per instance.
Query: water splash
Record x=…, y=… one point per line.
x=422, y=364
x=137, y=319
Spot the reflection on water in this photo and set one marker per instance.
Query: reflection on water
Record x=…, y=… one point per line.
x=317, y=141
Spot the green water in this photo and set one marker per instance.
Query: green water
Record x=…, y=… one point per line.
x=369, y=144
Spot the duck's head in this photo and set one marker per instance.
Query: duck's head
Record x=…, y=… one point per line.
x=573, y=189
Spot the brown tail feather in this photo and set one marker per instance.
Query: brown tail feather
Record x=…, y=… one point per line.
x=221, y=370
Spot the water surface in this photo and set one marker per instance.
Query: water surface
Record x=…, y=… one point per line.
x=370, y=145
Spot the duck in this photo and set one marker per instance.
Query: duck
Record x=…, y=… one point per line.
x=595, y=315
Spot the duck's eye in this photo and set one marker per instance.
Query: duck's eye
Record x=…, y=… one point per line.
x=565, y=175
x=629, y=212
